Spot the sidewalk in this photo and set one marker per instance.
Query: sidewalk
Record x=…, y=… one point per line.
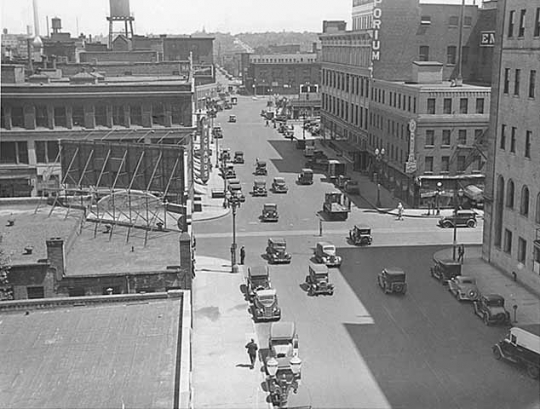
x=222, y=326
x=490, y=280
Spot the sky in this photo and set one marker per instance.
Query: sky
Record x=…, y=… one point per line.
x=179, y=16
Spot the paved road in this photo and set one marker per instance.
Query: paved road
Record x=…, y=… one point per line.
x=361, y=348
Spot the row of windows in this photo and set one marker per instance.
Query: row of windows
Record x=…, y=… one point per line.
x=358, y=56
x=453, y=21
x=522, y=246
x=363, y=22
x=97, y=115
x=395, y=99
x=528, y=137
x=522, y=23
x=451, y=54
x=461, y=164
x=391, y=152
x=354, y=113
x=517, y=82
x=448, y=109
x=352, y=84
x=393, y=128
x=446, y=140
x=282, y=60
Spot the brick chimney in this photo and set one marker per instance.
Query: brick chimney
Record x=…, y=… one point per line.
x=56, y=256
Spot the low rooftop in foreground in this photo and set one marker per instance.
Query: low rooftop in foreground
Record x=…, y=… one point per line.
x=121, y=354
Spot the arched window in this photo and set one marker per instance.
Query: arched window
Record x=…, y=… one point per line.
x=524, y=204
x=499, y=206
x=510, y=194
x=537, y=218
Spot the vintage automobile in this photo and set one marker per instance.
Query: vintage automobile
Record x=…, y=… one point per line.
x=352, y=187
x=360, y=235
x=229, y=172
x=276, y=251
x=305, y=177
x=258, y=278
x=259, y=188
x=444, y=270
x=235, y=188
x=282, y=340
x=238, y=157
x=342, y=180
x=232, y=118
x=265, y=305
x=325, y=253
x=260, y=168
x=217, y=132
x=490, y=307
x=317, y=280
x=279, y=185
x=463, y=288
x=269, y=212
x=460, y=218
x=392, y=280
x=225, y=155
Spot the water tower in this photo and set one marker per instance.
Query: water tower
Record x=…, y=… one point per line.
x=120, y=13
x=56, y=25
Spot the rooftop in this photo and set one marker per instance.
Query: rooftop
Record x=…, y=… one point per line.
x=106, y=356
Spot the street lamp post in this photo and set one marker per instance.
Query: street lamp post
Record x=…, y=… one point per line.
x=379, y=154
x=282, y=380
x=438, y=197
x=234, y=201
x=378, y=195
x=458, y=194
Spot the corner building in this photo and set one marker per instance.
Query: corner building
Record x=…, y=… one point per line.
x=512, y=219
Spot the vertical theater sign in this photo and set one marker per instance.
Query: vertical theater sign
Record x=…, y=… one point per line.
x=376, y=43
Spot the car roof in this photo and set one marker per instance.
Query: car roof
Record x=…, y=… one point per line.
x=269, y=291
x=259, y=181
x=270, y=205
x=234, y=180
x=279, y=179
x=282, y=329
x=465, y=278
x=394, y=271
x=236, y=152
x=324, y=243
x=362, y=226
x=448, y=262
x=318, y=268
x=493, y=297
x=261, y=162
x=307, y=170
x=258, y=271
x=277, y=240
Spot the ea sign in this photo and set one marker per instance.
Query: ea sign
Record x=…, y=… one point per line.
x=487, y=38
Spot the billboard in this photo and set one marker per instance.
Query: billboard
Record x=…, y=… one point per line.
x=119, y=8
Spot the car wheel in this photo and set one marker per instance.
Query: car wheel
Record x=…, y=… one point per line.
x=471, y=223
x=533, y=371
x=497, y=353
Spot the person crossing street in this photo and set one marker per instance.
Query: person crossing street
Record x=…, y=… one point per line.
x=252, y=349
x=242, y=255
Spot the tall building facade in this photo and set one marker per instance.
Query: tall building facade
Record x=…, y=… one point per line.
x=512, y=218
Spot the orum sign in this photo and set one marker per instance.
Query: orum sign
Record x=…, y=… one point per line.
x=376, y=43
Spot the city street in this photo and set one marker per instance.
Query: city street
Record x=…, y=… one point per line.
x=361, y=348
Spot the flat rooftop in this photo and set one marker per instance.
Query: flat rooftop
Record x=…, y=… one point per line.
x=118, y=355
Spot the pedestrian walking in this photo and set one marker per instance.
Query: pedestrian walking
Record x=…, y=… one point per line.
x=461, y=253
x=252, y=349
x=242, y=255
x=267, y=122
x=400, y=211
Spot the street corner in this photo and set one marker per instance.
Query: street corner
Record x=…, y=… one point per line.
x=211, y=211
x=205, y=264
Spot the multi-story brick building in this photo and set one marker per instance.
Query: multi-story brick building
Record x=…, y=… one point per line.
x=266, y=74
x=512, y=217
x=36, y=113
x=388, y=36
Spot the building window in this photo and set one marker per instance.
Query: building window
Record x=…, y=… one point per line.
x=507, y=241
x=101, y=115
x=118, y=115
x=463, y=105
x=516, y=81
x=77, y=115
x=60, y=116
x=41, y=116
x=532, y=83
x=513, y=140
x=429, y=164
x=424, y=53
x=430, y=137
x=511, y=23
x=498, y=211
x=510, y=194
x=464, y=55
x=461, y=163
x=537, y=217
x=462, y=137
x=445, y=163
x=446, y=137
x=528, y=137
x=13, y=152
x=522, y=250
x=467, y=21
x=35, y=292
x=447, y=106
x=158, y=114
x=506, y=80
x=451, y=55
x=521, y=30
x=46, y=151
x=135, y=114
x=453, y=21
x=431, y=106
x=537, y=23
x=425, y=21
x=479, y=105
x=524, y=203
x=503, y=137
x=3, y=116
x=17, y=117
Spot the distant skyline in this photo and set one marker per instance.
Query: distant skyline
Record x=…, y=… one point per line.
x=183, y=16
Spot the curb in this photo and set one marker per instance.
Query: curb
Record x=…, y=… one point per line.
x=211, y=217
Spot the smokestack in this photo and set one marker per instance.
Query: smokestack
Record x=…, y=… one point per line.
x=36, y=18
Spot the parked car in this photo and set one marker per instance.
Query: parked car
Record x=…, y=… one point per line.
x=444, y=270
x=460, y=218
x=305, y=177
x=269, y=212
x=217, y=132
x=265, y=305
x=259, y=188
x=276, y=251
x=392, y=280
x=258, y=278
x=232, y=118
x=352, y=187
x=317, y=280
x=490, y=307
x=229, y=172
x=360, y=235
x=325, y=253
x=238, y=157
x=463, y=288
x=279, y=185
x=260, y=168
